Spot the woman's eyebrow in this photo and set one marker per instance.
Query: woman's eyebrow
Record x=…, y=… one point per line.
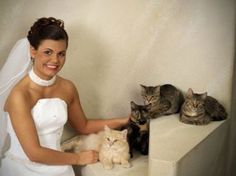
x=53, y=50
x=47, y=49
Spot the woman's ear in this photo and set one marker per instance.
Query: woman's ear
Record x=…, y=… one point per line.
x=32, y=52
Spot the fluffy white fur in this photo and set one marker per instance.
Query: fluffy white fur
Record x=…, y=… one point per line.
x=114, y=149
x=111, y=144
x=83, y=142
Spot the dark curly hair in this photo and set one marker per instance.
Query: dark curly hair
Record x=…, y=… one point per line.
x=47, y=28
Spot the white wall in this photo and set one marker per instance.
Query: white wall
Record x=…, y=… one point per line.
x=116, y=45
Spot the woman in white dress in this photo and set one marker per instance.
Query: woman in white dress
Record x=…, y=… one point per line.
x=39, y=105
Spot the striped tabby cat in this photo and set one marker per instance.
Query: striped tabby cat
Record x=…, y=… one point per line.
x=200, y=109
x=165, y=99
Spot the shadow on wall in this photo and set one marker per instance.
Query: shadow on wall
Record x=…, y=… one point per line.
x=232, y=140
x=86, y=66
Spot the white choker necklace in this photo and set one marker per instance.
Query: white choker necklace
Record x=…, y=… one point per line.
x=36, y=79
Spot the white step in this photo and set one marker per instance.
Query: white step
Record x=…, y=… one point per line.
x=139, y=168
x=176, y=149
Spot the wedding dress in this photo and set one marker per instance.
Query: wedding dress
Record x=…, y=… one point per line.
x=49, y=115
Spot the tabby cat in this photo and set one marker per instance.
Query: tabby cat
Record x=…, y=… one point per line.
x=138, y=128
x=165, y=99
x=112, y=146
x=200, y=109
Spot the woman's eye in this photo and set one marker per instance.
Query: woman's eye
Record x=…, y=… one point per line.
x=48, y=52
x=62, y=54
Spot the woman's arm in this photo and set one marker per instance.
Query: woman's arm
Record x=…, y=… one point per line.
x=79, y=121
x=19, y=109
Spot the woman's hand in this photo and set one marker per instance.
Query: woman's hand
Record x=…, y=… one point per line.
x=87, y=157
x=126, y=120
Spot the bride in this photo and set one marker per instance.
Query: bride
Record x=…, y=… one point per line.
x=36, y=103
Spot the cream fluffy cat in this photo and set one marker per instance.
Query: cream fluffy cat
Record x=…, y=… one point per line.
x=111, y=144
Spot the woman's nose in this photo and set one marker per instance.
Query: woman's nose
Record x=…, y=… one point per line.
x=55, y=58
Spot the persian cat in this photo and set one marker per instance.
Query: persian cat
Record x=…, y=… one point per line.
x=112, y=146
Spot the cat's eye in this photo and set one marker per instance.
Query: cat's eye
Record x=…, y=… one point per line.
x=108, y=139
x=200, y=106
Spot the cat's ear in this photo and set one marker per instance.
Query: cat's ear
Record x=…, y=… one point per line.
x=157, y=89
x=190, y=93
x=106, y=128
x=124, y=133
x=143, y=89
x=133, y=105
x=142, y=86
x=204, y=95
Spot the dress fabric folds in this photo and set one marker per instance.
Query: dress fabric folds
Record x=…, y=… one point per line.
x=49, y=115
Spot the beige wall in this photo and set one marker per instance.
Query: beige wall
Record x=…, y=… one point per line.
x=116, y=45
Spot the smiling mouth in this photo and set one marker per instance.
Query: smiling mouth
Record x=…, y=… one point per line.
x=52, y=66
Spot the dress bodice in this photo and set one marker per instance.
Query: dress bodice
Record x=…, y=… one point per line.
x=49, y=115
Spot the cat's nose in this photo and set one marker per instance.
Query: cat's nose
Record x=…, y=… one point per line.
x=142, y=122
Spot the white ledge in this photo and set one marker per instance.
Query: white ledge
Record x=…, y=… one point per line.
x=139, y=168
x=178, y=149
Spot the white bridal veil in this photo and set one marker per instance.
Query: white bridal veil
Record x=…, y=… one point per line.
x=16, y=66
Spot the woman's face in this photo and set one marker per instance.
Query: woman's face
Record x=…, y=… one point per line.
x=49, y=58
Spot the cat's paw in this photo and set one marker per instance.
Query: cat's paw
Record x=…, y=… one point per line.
x=108, y=166
x=126, y=164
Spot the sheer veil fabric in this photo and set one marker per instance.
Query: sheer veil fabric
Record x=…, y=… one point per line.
x=15, y=68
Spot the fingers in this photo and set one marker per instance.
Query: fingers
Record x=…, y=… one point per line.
x=88, y=157
x=94, y=156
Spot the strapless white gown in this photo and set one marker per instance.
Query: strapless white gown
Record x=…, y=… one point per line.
x=49, y=115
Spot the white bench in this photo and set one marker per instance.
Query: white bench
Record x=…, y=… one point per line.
x=178, y=149
x=139, y=168
x=175, y=149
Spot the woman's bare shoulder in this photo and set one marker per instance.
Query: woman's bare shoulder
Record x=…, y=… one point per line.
x=67, y=84
x=68, y=90
x=18, y=96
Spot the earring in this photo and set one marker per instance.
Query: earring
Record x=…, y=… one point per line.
x=32, y=59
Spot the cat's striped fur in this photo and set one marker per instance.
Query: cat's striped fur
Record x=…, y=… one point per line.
x=200, y=109
x=165, y=99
